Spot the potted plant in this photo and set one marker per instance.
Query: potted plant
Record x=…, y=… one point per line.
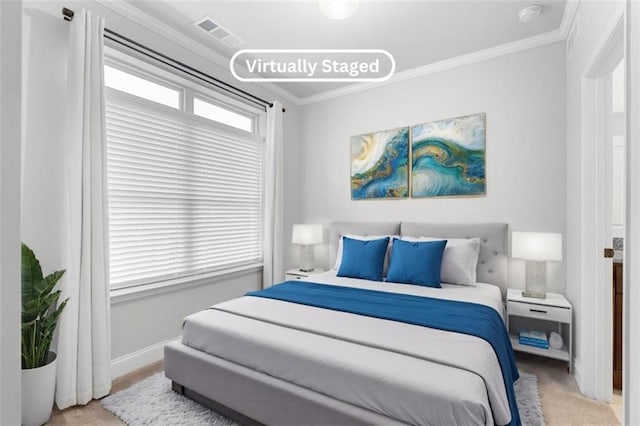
x=39, y=319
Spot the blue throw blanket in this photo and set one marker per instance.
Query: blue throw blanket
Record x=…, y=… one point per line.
x=449, y=315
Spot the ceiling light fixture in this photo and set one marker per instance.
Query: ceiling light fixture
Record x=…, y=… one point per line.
x=530, y=13
x=339, y=9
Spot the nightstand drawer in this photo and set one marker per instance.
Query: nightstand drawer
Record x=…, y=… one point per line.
x=291, y=277
x=297, y=274
x=530, y=310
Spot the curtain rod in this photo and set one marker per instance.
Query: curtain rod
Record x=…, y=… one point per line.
x=68, y=14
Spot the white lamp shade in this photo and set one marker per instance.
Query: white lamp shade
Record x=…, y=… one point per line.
x=537, y=246
x=307, y=234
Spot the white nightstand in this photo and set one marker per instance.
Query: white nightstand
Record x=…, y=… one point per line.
x=296, y=274
x=555, y=308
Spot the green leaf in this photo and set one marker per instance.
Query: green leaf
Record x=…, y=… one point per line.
x=48, y=283
x=39, y=313
x=31, y=271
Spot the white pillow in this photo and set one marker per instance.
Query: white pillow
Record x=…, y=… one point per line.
x=365, y=238
x=459, y=261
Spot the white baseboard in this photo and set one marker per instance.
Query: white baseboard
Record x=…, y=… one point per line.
x=138, y=359
x=577, y=374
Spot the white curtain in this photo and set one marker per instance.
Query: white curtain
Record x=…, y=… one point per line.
x=273, y=198
x=84, y=347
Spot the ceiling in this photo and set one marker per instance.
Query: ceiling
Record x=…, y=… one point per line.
x=416, y=33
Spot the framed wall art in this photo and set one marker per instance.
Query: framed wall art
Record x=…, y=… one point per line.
x=448, y=157
x=380, y=164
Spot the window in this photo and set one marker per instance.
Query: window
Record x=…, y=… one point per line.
x=185, y=192
x=213, y=112
x=137, y=86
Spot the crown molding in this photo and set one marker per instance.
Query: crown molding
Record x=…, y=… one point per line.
x=127, y=10
x=458, y=61
x=570, y=10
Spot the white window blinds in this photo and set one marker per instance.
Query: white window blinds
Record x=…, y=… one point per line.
x=185, y=193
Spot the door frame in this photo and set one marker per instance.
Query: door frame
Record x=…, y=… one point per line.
x=597, y=299
x=631, y=318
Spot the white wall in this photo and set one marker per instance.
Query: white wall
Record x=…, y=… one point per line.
x=10, y=141
x=145, y=322
x=593, y=19
x=523, y=97
x=140, y=327
x=129, y=318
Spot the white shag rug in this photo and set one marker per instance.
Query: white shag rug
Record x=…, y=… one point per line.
x=152, y=402
x=528, y=400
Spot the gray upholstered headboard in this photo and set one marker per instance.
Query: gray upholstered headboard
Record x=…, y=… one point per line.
x=493, y=260
x=337, y=229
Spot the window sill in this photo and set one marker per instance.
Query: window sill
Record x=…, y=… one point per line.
x=127, y=294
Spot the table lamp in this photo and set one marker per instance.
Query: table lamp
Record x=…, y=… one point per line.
x=306, y=236
x=536, y=248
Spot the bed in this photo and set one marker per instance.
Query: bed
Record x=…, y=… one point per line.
x=266, y=361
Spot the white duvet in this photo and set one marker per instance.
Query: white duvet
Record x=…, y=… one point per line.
x=412, y=374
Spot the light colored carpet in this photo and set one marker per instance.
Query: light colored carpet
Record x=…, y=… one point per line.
x=562, y=403
x=152, y=402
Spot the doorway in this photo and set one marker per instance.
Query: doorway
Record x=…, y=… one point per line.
x=617, y=191
x=615, y=104
x=597, y=212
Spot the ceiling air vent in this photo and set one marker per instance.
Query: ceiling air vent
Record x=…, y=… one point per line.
x=207, y=24
x=219, y=32
x=232, y=41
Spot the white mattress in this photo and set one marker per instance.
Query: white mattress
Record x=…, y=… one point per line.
x=413, y=374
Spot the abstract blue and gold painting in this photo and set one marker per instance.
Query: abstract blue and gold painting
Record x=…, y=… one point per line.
x=448, y=157
x=380, y=164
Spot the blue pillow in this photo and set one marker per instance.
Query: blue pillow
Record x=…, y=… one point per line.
x=416, y=262
x=363, y=259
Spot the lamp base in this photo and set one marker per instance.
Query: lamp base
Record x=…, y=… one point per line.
x=534, y=295
x=536, y=281
x=306, y=258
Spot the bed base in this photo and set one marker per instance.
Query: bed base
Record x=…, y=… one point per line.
x=215, y=406
x=253, y=398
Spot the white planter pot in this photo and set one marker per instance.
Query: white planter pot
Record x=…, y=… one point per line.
x=38, y=387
